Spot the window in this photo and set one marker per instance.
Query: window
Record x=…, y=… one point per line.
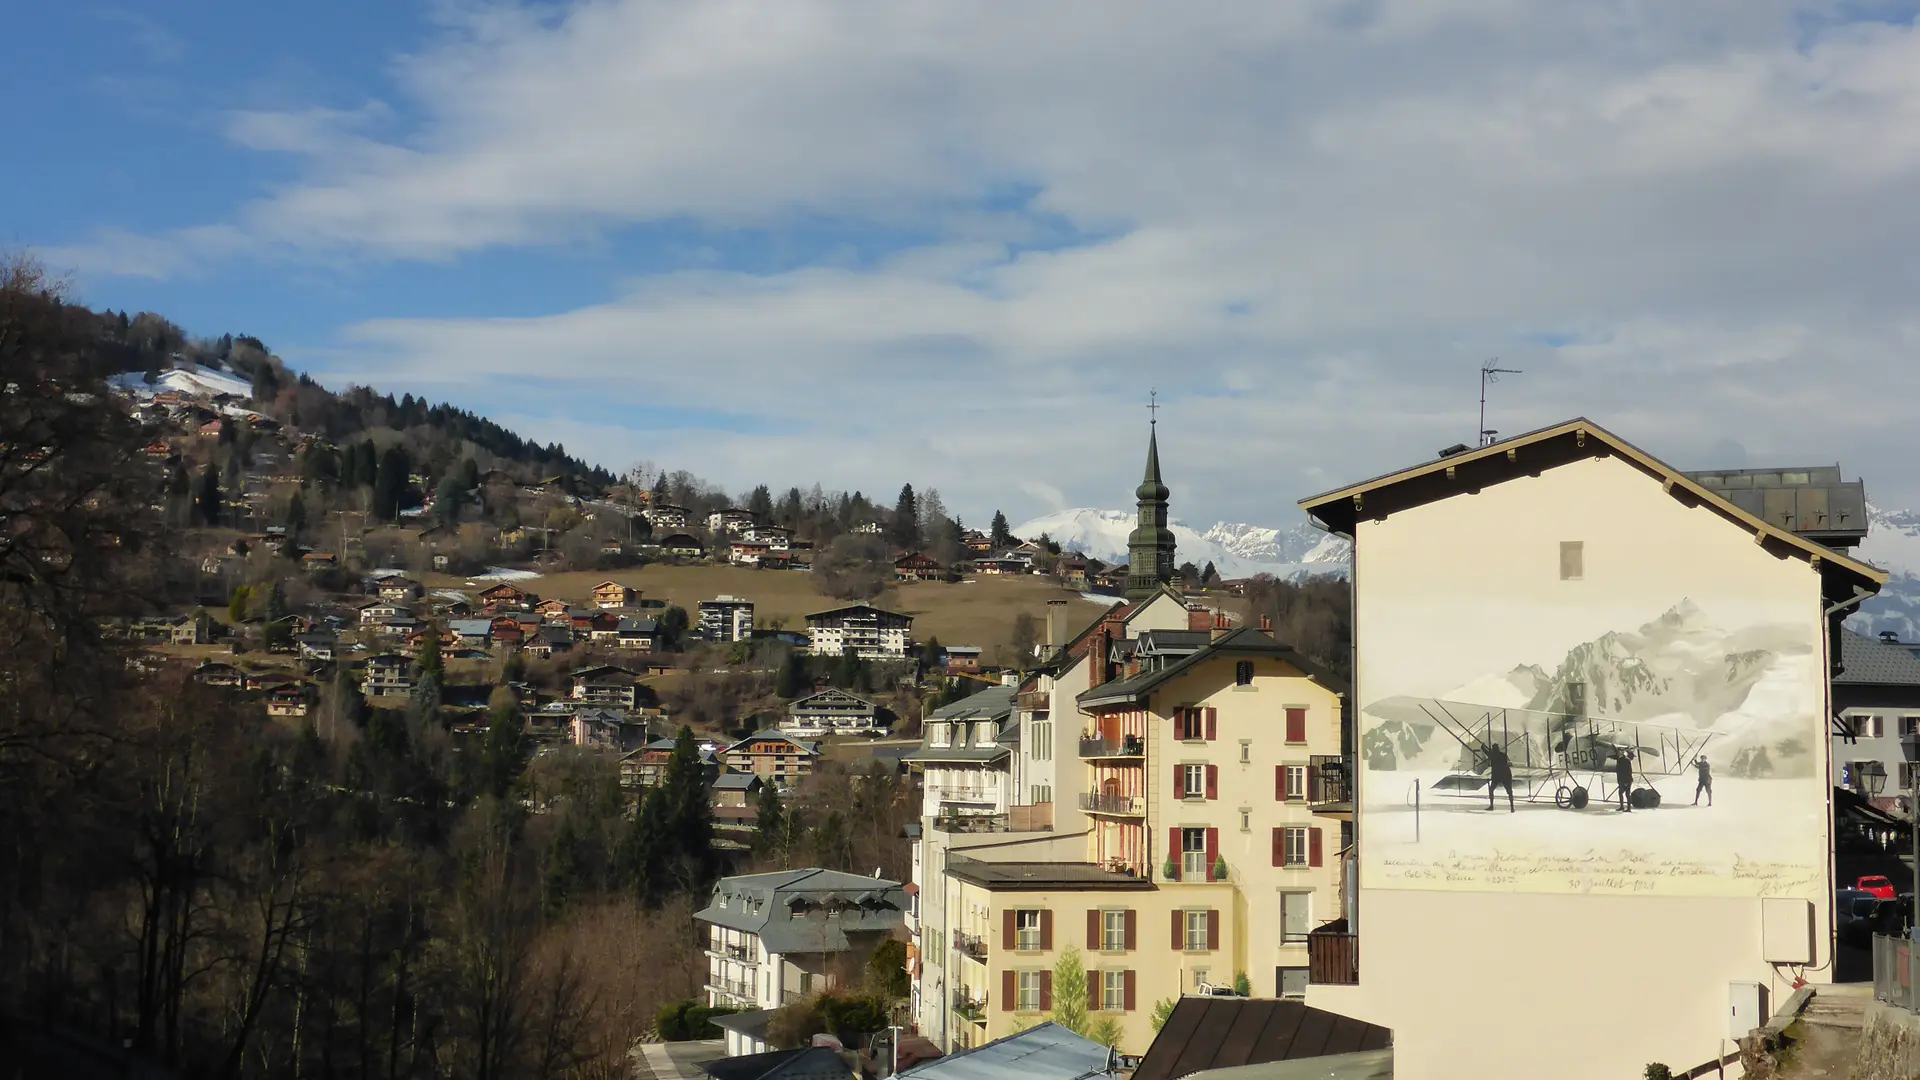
x=1296, y=724
x=1191, y=724
x=1113, y=931
x=1907, y=724
x=1296, y=911
x=1296, y=782
x=1292, y=982
x=1193, y=781
x=1295, y=850
x=984, y=733
x=937, y=735
x=1906, y=776
x=1573, y=560
x=1200, y=979
x=1193, y=855
x=1042, y=793
x=1029, y=999
x=1113, y=991
x=1026, y=926
x=1246, y=820
x=1243, y=673
x=1246, y=751
x=1042, y=740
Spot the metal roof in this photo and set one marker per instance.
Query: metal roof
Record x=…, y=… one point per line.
x=1043, y=1052
x=1205, y=1033
x=1865, y=661
x=806, y=1063
x=1244, y=641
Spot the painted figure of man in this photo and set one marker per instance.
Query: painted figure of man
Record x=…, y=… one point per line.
x=1500, y=774
x=1623, y=777
x=1705, y=772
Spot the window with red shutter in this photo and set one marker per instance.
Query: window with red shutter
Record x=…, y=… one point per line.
x=1279, y=783
x=1009, y=991
x=1179, y=931
x=1213, y=850
x=1046, y=991
x=1093, y=991
x=1179, y=782
x=1213, y=723
x=1173, y=852
x=1132, y=922
x=1093, y=929
x=1213, y=781
x=1296, y=725
x=1313, y=847
x=1129, y=1004
x=1279, y=847
x=1046, y=929
x=1009, y=930
x=1213, y=931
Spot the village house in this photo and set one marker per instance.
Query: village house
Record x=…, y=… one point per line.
x=375, y=612
x=470, y=633
x=917, y=566
x=862, y=629
x=637, y=635
x=1003, y=566
x=612, y=594
x=215, y=673
x=190, y=629
x=775, y=938
x=963, y=658
x=290, y=699
x=314, y=561
x=607, y=729
x=963, y=759
x=682, y=546
x=773, y=756
x=397, y=590
x=555, y=610
x=505, y=596
x=667, y=518
x=606, y=685
x=736, y=800
x=776, y=537
x=832, y=712
x=726, y=619
x=976, y=542
x=316, y=646
x=748, y=552
x=387, y=673
x=646, y=767
x=1505, y=599
x=730, y=522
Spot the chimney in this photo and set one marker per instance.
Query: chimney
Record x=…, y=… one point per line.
x=1056, y=624
x=1199, y=618
x=1099, y=647
x=1266, y=625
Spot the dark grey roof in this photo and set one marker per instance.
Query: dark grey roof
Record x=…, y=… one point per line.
x=961, y=754
x=811, y=746
x=1242, y=642
x=993, y=703
x=764, y=904
x=1044, y=1052
x=1866, y=661
x=752, y=1023
x=806, y=1063
x=639, y=626
x=1205, y=1033
x=1041, y=875
x=734, y=780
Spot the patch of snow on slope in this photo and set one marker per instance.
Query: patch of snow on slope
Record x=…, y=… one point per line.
x=1236, y=551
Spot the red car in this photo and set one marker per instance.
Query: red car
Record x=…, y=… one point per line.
x=1880, y=887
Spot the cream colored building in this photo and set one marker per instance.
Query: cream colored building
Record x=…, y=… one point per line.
x=1579, y=607
x=1194, y=743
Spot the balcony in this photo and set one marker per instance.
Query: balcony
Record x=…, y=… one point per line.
x=1035, y=701
x=1333, y=959
x=1122, y=805
x=972, y=945
x=728, y=988
x=1129, y=746
x=969, y=1008
x=1331, y=790
x=739, y=954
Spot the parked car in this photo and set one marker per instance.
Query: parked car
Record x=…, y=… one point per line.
x=1890, y=917
x=1843, y=900
x=1876, y=884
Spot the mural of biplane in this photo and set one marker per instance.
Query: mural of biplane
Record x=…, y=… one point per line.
x=1565, y=759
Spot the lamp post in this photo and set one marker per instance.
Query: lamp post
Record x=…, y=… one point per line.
x=1910, y=749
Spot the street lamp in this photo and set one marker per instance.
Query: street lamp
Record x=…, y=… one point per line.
x=1910, y=749
x=1873, y=778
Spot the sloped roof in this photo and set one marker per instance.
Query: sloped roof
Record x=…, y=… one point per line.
x=808, y=745
x=1244, y=641
x=1206, y=1033
x=873, y=905
x=1339, y=508
x=805, y=1063
x=1869, y=662
x=992, y=703
x=1043, y=1052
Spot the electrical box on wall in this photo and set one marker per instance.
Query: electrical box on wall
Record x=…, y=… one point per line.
x=1786, y=930
x=1746, y=1008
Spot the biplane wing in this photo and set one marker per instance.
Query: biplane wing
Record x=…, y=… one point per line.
x=1538, y=740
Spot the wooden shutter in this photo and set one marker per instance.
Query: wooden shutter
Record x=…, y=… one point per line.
x=1313, y=784
x=1046, y=991
x=1094, y=983
x=1179, y=782
x=1179, y=930
x=1296, y=725
x=1009, y=929
x=1132, y=922
x=1213, y=781
x=1279, y=847
x=1127, y=979
x=1213, y=930
x=1213, y=723
x=1009, y=991
x=1279, y=783
x=1313, y=847
x=1173, y=853
x=1046, y=929
x=1213, y=850
x=1093, y=930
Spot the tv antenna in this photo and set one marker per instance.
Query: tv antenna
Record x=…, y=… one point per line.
x=1490, y=372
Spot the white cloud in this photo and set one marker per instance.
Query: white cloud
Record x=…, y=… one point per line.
x=1308, y=222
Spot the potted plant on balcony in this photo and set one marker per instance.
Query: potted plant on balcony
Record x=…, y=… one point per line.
x=1171, y=871
x=1219, y=868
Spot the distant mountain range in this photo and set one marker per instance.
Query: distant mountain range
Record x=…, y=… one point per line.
x=1240, y=550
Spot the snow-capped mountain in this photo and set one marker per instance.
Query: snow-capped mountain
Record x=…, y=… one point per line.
x=1234, y=550
x=189, y=379
x=1892, y=544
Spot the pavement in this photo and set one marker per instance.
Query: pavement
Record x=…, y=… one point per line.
x=676, y=1060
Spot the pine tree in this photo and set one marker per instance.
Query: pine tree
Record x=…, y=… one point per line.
x=296, y=516
x=688, y=814
x=905, y=531
x=206, y=506
x=501, y=754
x=1000, y=535
x=793, y=679
x=760, y=504
x=237, y=605
x=429, y=660
x=562, y=881
x=1210, y=575
x=644, y=849
x=769, y=821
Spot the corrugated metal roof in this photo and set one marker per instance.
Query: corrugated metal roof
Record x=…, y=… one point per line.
x=1045, y=1052
x=1206, y=1033
x=1865, y=661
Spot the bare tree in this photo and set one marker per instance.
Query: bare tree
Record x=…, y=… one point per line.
x=853, y=567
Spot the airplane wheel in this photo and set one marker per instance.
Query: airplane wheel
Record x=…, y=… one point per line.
x=1653, y=798
x=1579, y=798
x=1563, y=798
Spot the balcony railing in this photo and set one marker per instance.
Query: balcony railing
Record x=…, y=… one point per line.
x=1035, y=701
x=972, y=945
x=1333, y=959
x=730, y=988
x=1129, y=746
x=1129, y=805
x=969, y=1007
x=1332, y=781
x=739, y=954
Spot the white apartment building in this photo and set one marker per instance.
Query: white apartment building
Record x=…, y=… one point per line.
x=726, y=618
x=867, y=631
x=774, y=938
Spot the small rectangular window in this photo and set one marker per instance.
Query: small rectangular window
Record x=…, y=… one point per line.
x=1195, y=784
x=1027, y=931
x=1296, y=847
x=1296, y=782
x=1295, y=914
x=1029, y=991
x=1292, y=983
x=1573, y=560
x=1243, y=673
x=1196, y=930
x=1246, y=820
x=1113, y=991
x=1191, y=724
x=1246, y=751
x=1193, y=854
x=1113, y=931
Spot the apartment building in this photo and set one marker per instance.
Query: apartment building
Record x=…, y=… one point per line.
x=1560, y=641
x=862, y=629
x=964, y=753
x=774, y=938
x=773, y=756
x=832, y=712
x=726, y=618
x=1877, y=698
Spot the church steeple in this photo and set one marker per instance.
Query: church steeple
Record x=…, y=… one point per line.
x=1150, y=547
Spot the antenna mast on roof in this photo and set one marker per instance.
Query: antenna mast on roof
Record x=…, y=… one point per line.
x=1490, y=372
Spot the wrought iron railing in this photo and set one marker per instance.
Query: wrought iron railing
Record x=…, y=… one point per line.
x=1095, y=803
x=1332, y=780
x=1127, y=746
x=972, y=945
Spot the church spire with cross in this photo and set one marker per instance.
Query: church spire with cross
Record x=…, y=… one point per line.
x=1150, y=547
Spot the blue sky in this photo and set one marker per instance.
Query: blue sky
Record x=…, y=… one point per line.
x=953, y=244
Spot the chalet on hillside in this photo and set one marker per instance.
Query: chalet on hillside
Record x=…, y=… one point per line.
x=918, y=566
x=866, y=631
x=637, y=635
x=398, y=590
x=503, y=596
x=606, y=685
x=774, y=756
x=682, y=545
x=214, y=673
x=832, y=712
x=647, y=766
x=612, y=594
x=387, y=673
x=289, y=699
x=608, y=729
x=736, y=800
